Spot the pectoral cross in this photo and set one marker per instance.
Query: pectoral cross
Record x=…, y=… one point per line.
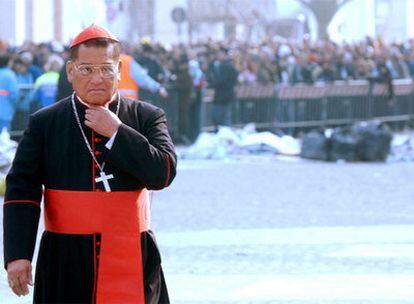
x=104, y=179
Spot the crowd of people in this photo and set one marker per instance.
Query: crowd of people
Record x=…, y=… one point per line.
x=189, y=69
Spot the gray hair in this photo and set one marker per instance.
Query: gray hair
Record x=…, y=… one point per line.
x=54, y=63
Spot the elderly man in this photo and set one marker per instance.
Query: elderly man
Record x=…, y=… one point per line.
x=95, y=154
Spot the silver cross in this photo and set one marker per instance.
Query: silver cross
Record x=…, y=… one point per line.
x=104, y=179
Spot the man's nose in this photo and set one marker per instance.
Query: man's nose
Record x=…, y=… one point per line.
x=96, y=76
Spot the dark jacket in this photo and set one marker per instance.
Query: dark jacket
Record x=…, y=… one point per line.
x=223, y=77
x=53, y=154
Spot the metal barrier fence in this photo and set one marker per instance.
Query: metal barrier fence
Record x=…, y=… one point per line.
x=345, y=103
x=301, y=107
x=292, y=109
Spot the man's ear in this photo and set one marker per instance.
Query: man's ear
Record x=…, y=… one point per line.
x=69, y=70
x=119, y=69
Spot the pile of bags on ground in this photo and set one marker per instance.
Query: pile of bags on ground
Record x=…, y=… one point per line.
x=228, y=142
x=7, y=152
x=364, y=141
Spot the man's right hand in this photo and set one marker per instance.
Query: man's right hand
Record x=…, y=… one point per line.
x=19, y=275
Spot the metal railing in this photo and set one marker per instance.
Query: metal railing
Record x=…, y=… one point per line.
x=292, y=109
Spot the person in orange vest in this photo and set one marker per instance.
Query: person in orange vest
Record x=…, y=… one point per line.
x=134, y=76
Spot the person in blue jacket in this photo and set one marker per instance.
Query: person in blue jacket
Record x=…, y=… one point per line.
x=8, y=92
x=25, y=82
x=46, y=86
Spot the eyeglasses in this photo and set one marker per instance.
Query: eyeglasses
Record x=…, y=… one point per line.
x=105, y=70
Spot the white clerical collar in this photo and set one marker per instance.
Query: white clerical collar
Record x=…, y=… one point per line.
x=106, y=105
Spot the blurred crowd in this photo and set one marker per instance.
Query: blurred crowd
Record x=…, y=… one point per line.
x=277, y=61
x=192, y=68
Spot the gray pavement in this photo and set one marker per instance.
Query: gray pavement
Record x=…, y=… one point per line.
x=264, y=193
x=262, y=230
x=258, y=230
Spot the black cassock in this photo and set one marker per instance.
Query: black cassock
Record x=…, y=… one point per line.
x=53, y=154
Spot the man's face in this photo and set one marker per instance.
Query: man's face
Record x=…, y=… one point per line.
x=20, y=68
x=95, y=88
x=221, y=55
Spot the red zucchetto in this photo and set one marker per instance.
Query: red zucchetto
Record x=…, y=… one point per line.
x=92, y=32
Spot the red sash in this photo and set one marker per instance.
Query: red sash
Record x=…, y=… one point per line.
x=119, y=217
